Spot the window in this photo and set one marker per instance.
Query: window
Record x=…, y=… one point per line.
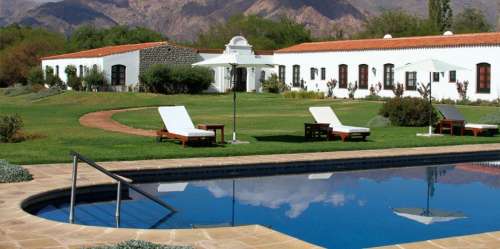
x=94, y=67
x=313, y=73
x=388, y=76
x=80, y=73
x=363, y=76
x=281, y=73
x=212, y=75
x=296, y=76
x=323, y=73
x=453, y=76
x=435, y=77
x=343, y=76
x=483, y=77
x=118, y=75
x=262, y=76
x=411, y=80
x=57, y=71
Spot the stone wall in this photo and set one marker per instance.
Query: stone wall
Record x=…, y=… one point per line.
x=167, y=55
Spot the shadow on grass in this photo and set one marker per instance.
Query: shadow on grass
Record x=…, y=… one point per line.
x=282, y=138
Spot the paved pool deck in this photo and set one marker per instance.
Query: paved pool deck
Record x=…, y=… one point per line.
x=19, y=229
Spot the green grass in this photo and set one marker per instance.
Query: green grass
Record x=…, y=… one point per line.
x=271, y=123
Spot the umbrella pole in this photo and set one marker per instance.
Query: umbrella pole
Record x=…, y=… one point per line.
x=234, y=102
x=430, y=104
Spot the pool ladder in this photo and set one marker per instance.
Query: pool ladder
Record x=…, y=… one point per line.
x=120, y=181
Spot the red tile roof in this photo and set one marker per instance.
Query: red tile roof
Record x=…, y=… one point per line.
x=105, y=51
x=479, y=39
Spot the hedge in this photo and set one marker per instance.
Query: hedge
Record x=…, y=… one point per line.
x=13, y=173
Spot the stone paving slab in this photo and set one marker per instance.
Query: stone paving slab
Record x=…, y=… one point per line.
x=19, y=229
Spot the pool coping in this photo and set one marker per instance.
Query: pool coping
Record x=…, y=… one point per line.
x=19, y=229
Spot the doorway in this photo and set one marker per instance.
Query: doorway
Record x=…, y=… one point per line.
x=241, y=80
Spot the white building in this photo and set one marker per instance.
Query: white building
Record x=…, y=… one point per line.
x=311, y=65
x=372, y=61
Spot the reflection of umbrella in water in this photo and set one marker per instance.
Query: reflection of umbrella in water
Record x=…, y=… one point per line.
x=427, y=215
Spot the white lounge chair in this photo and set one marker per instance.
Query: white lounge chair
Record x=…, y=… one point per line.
x=326, y=115
x=179, y=126
x=452, y=116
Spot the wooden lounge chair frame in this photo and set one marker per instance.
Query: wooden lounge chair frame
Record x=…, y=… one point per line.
x=459, y=121
x=165, y=134
x=344, y=136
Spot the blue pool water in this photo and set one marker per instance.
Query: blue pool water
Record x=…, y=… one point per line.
x=334, y=210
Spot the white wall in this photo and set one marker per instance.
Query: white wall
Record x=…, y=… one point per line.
x=467, y=57
x=63, y=63
x=130, y=60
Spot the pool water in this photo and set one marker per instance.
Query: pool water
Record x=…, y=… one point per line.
x=334, y=210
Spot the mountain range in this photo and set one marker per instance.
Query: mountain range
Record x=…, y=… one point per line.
x=184, y=19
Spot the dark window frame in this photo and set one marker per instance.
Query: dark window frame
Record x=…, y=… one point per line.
x=436, y=77
x=281, y=73
x=313, y=73
x=118, y=75
x=80, y=73
x=411, y=86
x=343, y=75
x=57, y=70
x=296, y=76
x=483, y=70
x=363, y=76
x=388, y=76
x=452, y=76
x=323, y=73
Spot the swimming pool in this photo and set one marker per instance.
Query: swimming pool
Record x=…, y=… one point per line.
x=330, y=209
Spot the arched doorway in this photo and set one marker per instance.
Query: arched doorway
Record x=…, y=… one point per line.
x=241, y=80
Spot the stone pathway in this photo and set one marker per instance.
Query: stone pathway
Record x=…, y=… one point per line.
x=19, y=229
x=103, y=120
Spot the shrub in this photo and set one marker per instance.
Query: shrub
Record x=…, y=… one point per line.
x=332, y=84
x=408, y=111
x=17, y=90
x=352, y=88
x=398, y=90
x=462, y=90
x=375, y=89
x=95, y=79
x=10, y=126
x=304, y=95
x=35, y=76
x=53, y=80
x=176, y=79
x=274, y=85
x=46, y=93
x=379, y=122
x=138, y=244
x=73, y=80
x=424, y=90
x=13, y=173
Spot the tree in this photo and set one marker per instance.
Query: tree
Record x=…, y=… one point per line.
x=261, y=33
x=95, y=79
x=440, y=14
x=471, y=20
x=73, y=80
x=51, y=79
x=89, y=37
x=397, y=23
x=35, y=76
x=21, y=49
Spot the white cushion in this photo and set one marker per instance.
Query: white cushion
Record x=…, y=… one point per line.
x=481, y=126
x=325, y=115
x=175, y=118
x=193, y=132
x=349, y=129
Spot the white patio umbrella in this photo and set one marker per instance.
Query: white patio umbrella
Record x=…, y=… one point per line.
x=235, y=60
x=431, y=66
x=428, y=216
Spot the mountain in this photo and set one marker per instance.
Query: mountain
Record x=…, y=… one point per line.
x=184, y=19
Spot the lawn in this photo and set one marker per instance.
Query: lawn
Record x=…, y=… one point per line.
x=271, y=123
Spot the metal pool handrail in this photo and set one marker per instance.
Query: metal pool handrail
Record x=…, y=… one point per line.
x=77, y=157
